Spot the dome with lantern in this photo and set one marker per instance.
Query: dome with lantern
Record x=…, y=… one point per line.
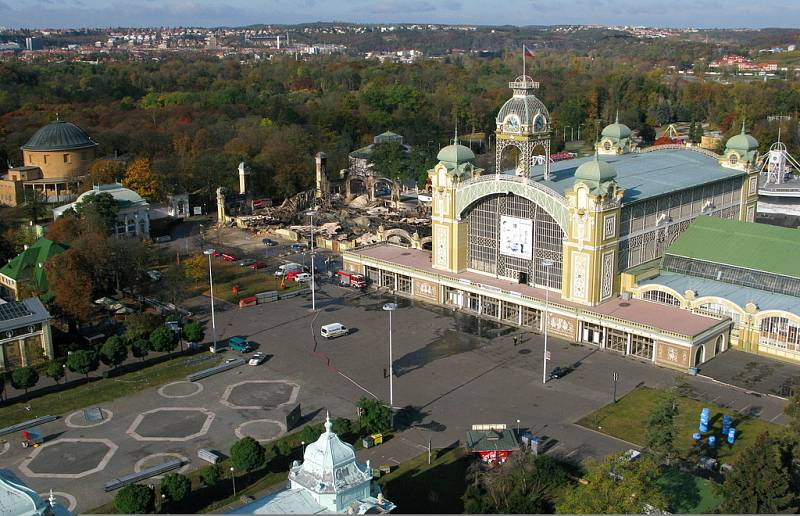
x=523, y=112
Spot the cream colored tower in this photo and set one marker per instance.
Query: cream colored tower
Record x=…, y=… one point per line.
x=592, y=243
x=449, y=234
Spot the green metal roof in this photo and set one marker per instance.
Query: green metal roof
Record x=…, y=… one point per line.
x=455, y=154
x=749, y=245
x=491, y=440
x=59, y=135
x=29, y=264
x=595, y=171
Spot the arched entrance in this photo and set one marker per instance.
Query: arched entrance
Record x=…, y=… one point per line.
x=509, y=160
x=719, y=345
x=699, y=355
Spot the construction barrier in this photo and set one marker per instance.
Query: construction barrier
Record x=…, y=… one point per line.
x=27, y=424
x=205, y=373
x=147, y=473
x=294, y=293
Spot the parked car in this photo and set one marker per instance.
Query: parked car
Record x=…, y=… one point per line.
x=560, y=372
x=174, y=326
x=269, y=242
x=296, y=248
x=289, y=267
x=213, y=252
x=302, y=277
x=257, y=359
x=240, y=344
x=228, y=257
x=246, y=262
x=154, y=275
x=333, y=330
x=258, y=265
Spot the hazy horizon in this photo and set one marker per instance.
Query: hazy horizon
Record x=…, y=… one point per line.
x=730, y=14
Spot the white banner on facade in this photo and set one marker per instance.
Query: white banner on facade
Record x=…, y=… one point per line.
x=516, y=237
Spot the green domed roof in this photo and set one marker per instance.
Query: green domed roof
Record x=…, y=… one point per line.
x=742, y=142
x=596, y=170
x=59, y=135
x=616, y=130
x=455, y=154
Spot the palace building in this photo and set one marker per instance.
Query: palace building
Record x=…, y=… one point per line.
x=593, y=238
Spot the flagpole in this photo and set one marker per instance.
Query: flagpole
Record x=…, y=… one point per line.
x=523, y=60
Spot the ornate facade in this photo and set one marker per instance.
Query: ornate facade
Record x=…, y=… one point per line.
x=573, y=228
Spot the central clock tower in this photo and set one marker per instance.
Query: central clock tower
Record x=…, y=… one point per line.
x=524, y=122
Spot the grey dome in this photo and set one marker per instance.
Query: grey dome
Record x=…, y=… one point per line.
x=526, y=107
x=59, y=135
x=455, y=153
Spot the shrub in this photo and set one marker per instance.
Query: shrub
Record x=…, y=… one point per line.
x=193, y=332
x=375, y=416
x=176, y=486
x=113, y=351
x=140, y=348
x=134, y=499
x=342, y=426
x=311, y=433
x=54, y=370
x=247, y=454
x=211, y=474
x=163, y=339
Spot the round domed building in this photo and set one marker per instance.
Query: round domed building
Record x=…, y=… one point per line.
x=615, y=139
x=54, y=161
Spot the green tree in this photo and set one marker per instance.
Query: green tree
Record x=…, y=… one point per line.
x=101, y=205
x=134, y=499
x=141, y=325
x=247, y=454
x=524, y=484
x=82, y=362
x=193, y=332
x=661, y=428
x=341, y=426
x=35, y=207
x=211, y=474
x=389, y=160
x=375, y=416
x=113, y=351
x=283, y=448
x=176, y=486
x=616, y=486
x=140, y=348
x=311, y=432
x=761, y=480
x=163, y=340
x=24, y=378
x=55, y=370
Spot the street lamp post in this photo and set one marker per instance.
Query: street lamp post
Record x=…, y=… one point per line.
x=233, y=479
x=391, y=307
x=207, y=252
x=546, y=264
x=313, y=279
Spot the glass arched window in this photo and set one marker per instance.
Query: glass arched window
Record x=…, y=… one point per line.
x=659, y=296
x=780, y=333
x=733, y=158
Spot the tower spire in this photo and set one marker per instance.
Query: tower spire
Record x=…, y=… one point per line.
x=616, y=120
x=328, y=424
x=743, y=131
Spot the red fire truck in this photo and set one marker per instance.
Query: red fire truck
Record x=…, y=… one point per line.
x=351, y=279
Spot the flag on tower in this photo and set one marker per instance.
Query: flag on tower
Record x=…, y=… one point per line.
x=527, y=52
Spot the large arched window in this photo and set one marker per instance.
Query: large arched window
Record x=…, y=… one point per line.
x=659, y=296
x=780, y=333
x=721, y=310
x=486, y=253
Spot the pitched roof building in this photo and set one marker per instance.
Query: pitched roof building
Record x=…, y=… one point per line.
x=27, y=269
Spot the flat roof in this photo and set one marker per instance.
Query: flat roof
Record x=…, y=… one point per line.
x=735, y=293
x=759, y=247
x=658, y=316
x=646, y=174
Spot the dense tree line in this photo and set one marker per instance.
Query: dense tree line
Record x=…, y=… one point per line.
x=195, y=118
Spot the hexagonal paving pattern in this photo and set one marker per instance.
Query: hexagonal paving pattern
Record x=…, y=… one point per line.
x=171, y=424
x=260, y=394
x=69, y=458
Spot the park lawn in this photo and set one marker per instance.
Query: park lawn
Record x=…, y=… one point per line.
x=688, y=494
x=627, y=420
x=228, y=274
x=418, y=488
x=103, y=390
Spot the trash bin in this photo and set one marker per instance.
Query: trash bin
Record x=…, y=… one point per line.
x=693, y=371
x=367, y=442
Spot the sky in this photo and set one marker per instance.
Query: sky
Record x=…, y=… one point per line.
x=212, y=13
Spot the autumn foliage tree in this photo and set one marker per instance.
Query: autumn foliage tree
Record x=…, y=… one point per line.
x=105, y=171
x=140, y=178
x=70, y=285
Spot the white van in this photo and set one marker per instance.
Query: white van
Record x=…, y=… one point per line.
x=332, y=330
x=288, y=267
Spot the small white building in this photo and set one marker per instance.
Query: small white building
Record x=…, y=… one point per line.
x=329, y=480
x=133, y=215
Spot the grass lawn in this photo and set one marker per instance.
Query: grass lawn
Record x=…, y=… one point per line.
x=418, y=488
x=100, y=391
x=228, y=274
x=627, y=419
x=688, y=494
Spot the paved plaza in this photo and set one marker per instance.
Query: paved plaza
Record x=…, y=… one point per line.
x=452, y=370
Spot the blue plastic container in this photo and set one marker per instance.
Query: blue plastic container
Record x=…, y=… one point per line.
x=697, y=436
x=703, y=428
x=726, y=424
x=712, y=441
x=731, y=436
